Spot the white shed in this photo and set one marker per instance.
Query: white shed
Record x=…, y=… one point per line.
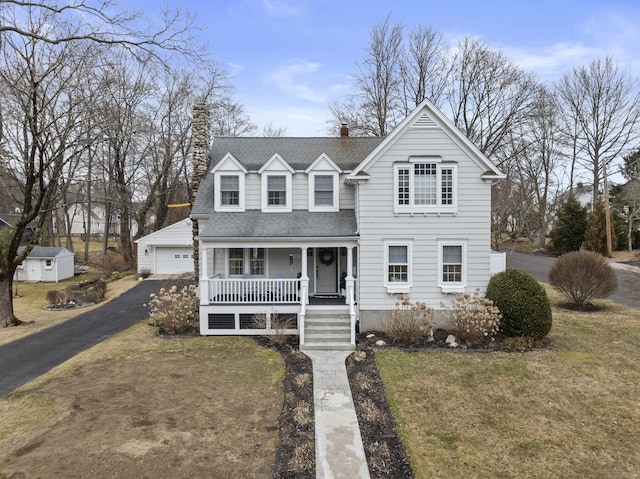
x=47, y=264
x=167, y=251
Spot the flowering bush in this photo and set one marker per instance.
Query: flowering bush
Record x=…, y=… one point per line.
x=475, y=319
x=174, y=310
x=408, y=322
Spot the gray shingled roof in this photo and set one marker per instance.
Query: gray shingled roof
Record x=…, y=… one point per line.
x=44, y=251
x=297, y=224
x=299, y=153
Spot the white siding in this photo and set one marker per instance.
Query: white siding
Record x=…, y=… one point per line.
x=377, y=222
x=300, y=191
x=179, y=234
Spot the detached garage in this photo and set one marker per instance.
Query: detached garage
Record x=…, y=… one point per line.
x=167, y=251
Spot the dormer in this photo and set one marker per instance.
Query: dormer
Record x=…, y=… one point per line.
x=229, y=180
x=323, y=180
x=277, y=178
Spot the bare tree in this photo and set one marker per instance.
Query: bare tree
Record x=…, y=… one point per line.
x=423, y=68
x=271, y=131
x=376, y=108
x=489, y=97
x=43, y=113
x=45, y=50
x=605, y=103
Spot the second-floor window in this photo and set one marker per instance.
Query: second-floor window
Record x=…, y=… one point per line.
x=425, y=186
x=323, y=190
x=229, y=190
x=276, y=190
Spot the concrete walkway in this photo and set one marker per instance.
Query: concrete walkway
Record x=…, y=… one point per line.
x=339, y=450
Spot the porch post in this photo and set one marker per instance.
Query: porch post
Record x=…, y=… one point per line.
x=304, y=292
x=350, y=285
x=204, y=281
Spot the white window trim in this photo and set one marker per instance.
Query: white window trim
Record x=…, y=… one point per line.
x=397, y=287
x=266, y=207
x=48, y=266
x=218, y=194
x=246, y=263
x=438, y=207
x=452, y=287
x=312, y=191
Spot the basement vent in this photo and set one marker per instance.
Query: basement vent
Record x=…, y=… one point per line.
x=222, y=321
x=247, y=322
x=424, y=122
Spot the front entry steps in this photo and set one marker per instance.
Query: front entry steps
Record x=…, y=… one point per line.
x=327, y=330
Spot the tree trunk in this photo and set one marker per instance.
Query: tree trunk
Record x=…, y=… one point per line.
x=7, y=317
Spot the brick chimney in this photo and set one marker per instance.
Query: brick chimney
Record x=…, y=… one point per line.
x=200, y=149
x=344, y=130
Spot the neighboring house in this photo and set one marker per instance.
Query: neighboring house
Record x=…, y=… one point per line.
x=11, y=220
x=46, y=264
x=167, y=251
x=309, y=226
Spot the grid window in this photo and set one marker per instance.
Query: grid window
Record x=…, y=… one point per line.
x=403, y=186
x=424, y=183
x=236, y=261
x=446, y=185
x=276, y=191
x=398, y=264
x=256, y=262
x=229, y=190
x=452, y=264
x=323, y=190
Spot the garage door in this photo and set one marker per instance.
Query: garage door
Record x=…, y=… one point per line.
x=174, y=260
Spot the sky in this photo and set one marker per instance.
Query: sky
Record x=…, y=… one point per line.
x=289, y=59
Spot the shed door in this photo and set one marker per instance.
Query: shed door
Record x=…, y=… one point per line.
x=174, y=260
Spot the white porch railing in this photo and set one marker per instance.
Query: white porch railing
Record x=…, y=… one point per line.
x=251, y=290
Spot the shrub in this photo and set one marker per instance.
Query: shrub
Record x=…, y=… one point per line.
x=582, y=276
x=56, y=297
x=175, y=310
x=523, y=302
x=144, y=273
x=276, y=325
x=408, y=321
x=569, y=229
x=476, y=319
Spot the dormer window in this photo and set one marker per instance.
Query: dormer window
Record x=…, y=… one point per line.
x=277, y=190
x=277, y=179
x=228, y=184
x=425, y=185
x=323, y=183
x=229, y=190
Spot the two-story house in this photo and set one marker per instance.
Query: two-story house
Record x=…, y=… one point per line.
x=329, y=231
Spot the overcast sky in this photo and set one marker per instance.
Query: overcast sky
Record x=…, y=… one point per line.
x=289, y=58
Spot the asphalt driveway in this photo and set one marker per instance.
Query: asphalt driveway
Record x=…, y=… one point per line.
x=627, y=294
x=34, y=355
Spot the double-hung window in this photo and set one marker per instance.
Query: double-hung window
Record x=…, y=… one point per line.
x=397, y=266
x=277, y=190
x=253, y=257
x=323, y=191
x=236, y=261
x=229, y=190
x=425, y=185
x=452, y=265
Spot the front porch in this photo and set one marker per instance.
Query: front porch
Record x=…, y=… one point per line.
x=251, y=290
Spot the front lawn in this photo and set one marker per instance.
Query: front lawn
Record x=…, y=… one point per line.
x=571, y=410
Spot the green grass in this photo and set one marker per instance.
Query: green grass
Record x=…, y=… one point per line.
x=571, y=410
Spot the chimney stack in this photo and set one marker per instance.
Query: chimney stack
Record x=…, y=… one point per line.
x=344, y=130
x=200, y=149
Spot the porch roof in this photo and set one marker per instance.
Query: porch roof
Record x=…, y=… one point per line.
x=296, y=224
